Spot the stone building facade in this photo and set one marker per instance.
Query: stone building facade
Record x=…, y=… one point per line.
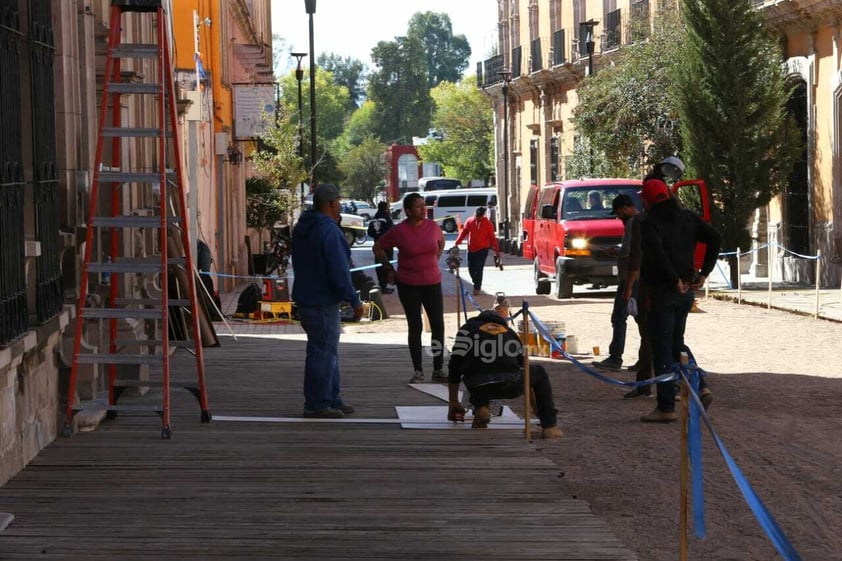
x=52, y=60
x=543, y=46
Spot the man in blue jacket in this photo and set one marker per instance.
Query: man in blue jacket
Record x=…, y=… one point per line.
x=321, y=264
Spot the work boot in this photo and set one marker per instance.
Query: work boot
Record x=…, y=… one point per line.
x=439, y=376
x=642, y=391
x=417, y=377
x=551, y=433
x=328, y=413
x=482, y=416
x=611, y=363
x=346, y=409
x=658, y=416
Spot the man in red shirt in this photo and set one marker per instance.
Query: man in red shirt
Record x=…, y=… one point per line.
x=481, y=237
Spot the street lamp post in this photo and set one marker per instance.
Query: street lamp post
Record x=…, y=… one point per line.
x=589, y=42
x=589, y=45
x=310, y=6
x=299, y=75
x=507, y=76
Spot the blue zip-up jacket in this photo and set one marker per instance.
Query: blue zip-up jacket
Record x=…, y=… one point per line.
x=321, y=262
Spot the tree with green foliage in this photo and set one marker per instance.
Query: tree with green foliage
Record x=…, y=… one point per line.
x=625, y=118
x=266, y=204
x=463, y=117
x=364, y=167
x=348, y=72
x=399, y=90
x=447, y=54
x=359, y=126
x=731, y=92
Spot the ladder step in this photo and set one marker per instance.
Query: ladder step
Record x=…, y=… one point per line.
x=106, y=358
x=156, y=409
x=150, y=302
x=133, y=132
x=181, y=343
x=132, y=177
x=121, y=313
x=136, y=50
x=133, y=265
x=133, y=88
x=132, y=221
x=137, y=5
x=151, y=384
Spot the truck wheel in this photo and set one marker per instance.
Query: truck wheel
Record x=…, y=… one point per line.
x=349, y=236
x=542, y=283
x=563, y=283
x=360, y=238
x=449, y=225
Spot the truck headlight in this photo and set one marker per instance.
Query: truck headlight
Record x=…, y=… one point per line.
x=577, y=246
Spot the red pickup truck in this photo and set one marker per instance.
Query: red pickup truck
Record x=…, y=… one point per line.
x=574, y=239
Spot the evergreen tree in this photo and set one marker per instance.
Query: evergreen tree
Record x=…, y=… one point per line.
x=731, y=92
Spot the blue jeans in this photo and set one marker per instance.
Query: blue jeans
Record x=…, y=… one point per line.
x=321, y=367
x=619, y=317
x=667, y=320
x=476, y=264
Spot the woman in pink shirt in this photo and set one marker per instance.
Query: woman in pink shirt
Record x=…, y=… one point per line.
x=419, y=242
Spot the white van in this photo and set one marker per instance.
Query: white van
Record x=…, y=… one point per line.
x=438, y=184
x=447, y=205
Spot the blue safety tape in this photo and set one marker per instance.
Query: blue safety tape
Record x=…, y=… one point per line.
x=694, y=449
x=761, y=513
x=812, y=257
x=556, y=346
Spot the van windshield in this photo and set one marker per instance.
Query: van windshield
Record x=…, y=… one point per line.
x=594, y=202
x=439, y=184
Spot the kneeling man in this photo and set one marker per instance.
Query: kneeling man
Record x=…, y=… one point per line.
x=488, y=356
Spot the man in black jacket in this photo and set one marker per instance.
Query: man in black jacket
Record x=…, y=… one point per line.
x=669, y=235
x=378, y=226
x=488, y=356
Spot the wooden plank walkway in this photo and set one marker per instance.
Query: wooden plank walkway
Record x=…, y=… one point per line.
x=304, y=490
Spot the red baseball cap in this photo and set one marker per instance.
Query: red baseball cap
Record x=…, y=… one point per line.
x=654, y=191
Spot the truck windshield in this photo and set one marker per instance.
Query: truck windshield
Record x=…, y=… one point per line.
x=593, y=203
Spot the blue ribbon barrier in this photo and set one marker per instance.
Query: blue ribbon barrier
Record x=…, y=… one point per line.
x=761, y=513
x=694, y=450
x=555, y=346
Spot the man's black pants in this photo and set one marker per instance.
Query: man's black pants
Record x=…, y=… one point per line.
x=481, y=396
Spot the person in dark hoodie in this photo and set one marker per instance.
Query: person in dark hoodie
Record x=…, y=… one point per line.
x=321, y=263
x=488, y=356
x=669, y=235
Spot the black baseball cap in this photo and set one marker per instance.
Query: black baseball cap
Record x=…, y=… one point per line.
x=619, y=202
x=480, y=210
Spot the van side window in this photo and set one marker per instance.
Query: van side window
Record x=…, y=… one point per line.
x=429, y=200
x=477, y=200
x=451, y=200
x=527, y=207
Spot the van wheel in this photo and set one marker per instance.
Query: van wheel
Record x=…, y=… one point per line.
x=349, y=236
x=449, y=225
x=563, y=283
x=360, y=238
x=542, y=283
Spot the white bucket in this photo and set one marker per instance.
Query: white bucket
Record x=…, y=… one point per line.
x=572, y=345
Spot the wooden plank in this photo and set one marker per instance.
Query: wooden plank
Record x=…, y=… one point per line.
x=296, y=491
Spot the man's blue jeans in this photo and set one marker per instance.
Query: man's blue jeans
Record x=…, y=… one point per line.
x=667, y=321
x=476, y=264
x=321, y=367
x=619, y=318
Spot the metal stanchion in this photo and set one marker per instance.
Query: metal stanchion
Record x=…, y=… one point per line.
x=818, y=280
x=739, y=280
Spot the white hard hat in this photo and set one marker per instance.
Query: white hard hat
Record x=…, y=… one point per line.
x=672, y=168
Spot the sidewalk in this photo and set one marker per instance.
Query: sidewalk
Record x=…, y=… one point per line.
x=825, y=303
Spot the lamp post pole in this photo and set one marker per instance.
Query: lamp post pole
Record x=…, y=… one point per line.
x=310, y=6
x=507, y=76
x=589, y=45
x=299, y=75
